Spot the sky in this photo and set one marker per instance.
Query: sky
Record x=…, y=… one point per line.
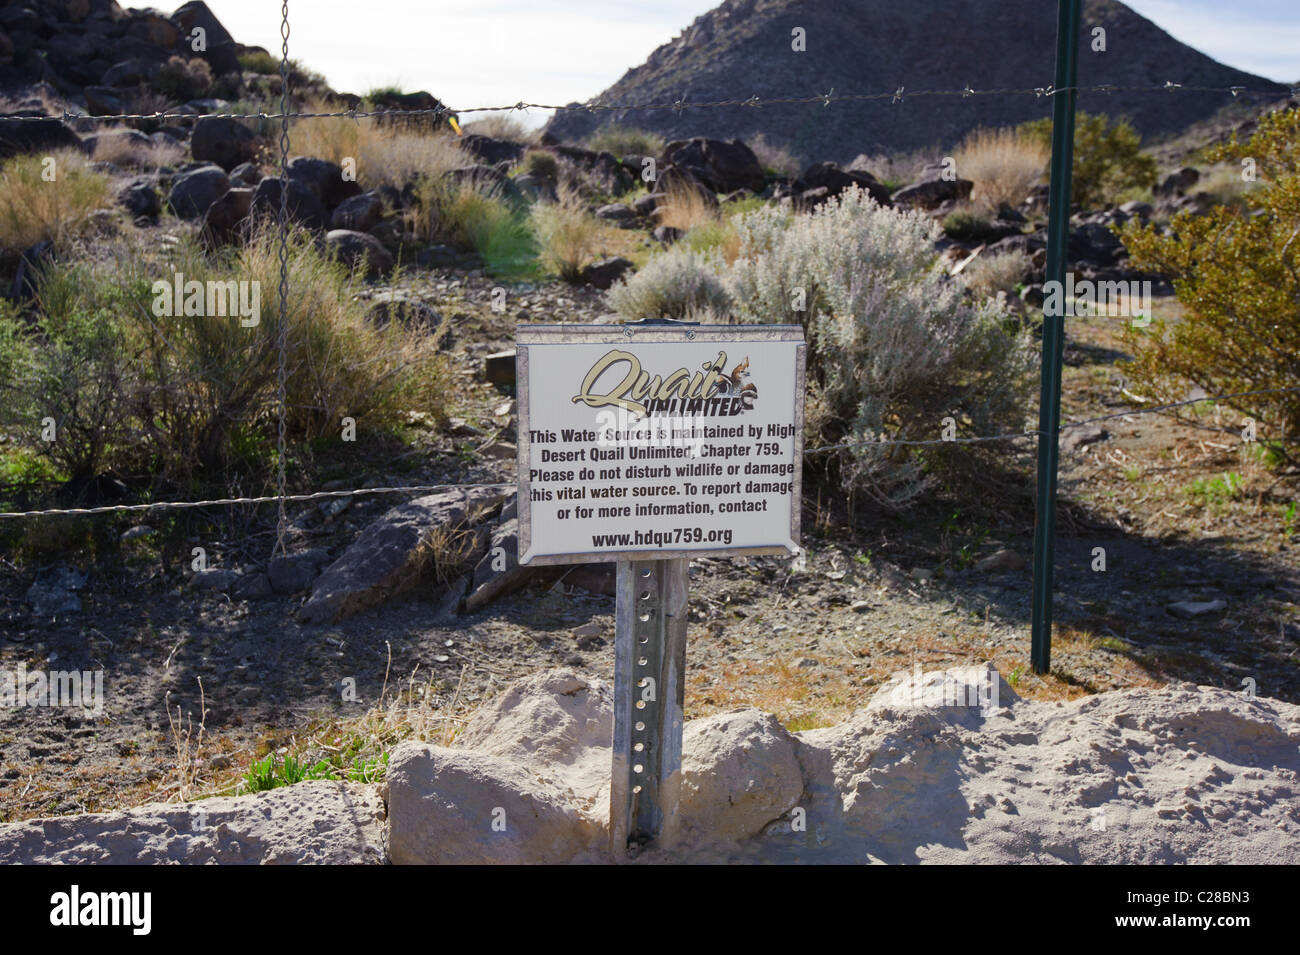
x=493, y=52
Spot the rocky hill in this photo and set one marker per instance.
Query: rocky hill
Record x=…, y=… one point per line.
x=743, y=48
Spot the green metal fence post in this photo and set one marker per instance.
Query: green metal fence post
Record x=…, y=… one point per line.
x=1049, y=402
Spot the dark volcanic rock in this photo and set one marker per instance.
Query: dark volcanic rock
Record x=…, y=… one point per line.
x=35, y=135
x=226, y=142
x=194, y=191
x=722, y=166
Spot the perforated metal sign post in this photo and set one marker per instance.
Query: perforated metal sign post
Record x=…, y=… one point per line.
x=648, y=444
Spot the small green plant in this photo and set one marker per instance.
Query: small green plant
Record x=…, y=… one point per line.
x=1133, y=474
x=1016, y=673
x=1289, y=519
x=1215, y=492
x=626, y=141
x=259, y=61
x=966, y=225
x=862, y=558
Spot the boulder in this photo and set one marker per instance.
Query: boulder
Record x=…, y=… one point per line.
x=666, y=234
x=325, y=179
x=301, y=203
x=227, y=216
x=647, y=204
x=194, y=191
x=226, y=142
x=359, y=250
x=492, y=151
x=196, y=14
x=933, y=192
x=604, y=273
x=152, y=28
x=246, y=174
x=616, y=212
x=130, y=72
x=499, y=572
x=140, y=199
x=1178, y=182
x=722, y=166
x=740, y=771
x=359, y=213
x=835, y=180
x=293, y=573
x=385, y=561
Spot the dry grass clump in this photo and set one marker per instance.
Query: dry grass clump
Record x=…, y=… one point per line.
x=1005, y=164
x=384, y=154
x=626, y=141
x=568, y=235
x=111, y=146
x=775, y=160
x=501, y=126
x=48, y=198
x=685, y=208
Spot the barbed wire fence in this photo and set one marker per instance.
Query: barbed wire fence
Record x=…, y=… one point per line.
x=895, y=96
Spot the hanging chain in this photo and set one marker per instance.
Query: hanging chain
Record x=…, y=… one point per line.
x=284, y=270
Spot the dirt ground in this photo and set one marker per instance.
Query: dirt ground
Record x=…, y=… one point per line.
x=1183, y=513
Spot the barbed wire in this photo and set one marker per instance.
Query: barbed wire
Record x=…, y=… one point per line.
x=897, y=95
x=431, y=488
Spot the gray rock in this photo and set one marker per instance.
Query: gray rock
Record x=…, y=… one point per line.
x=606, y=272
x=647, y=204
x=246, y=174
x=1079, y=437
x=140, y=199
x=227, y=218
x=487, y=582
x=932, y=193
x=251, y=587
x=317, y=822
x=359, y=213
x=226, y=142
x=359, y=250
x=214, y=579
x=54, y=592
x=292, y=574
x=303, y=206
x=194, y=191
x=22, y=136
x=1190, y=609
x=325, y=180
x=616, y=212
x=1002, y=560
x=384, y=560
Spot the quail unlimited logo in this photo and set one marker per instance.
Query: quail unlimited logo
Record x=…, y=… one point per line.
x=710, y=391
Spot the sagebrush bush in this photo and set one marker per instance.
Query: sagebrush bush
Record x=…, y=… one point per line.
x=1237, y=278
x=626, y=141
x=134, y=391
x=34, y=208
x=1004, y=164
x=677, y=283
x=1001, y=272
x=894, y=345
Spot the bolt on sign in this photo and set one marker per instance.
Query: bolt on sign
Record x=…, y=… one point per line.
x=655, y=442
x=648, y=444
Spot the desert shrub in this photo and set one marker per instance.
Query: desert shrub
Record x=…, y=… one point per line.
x=385, y=154
x=894, y=345
x=134, y=391
x=1108, y=157
x=184, y=79
x=677, y=283
x=966, y=225
x=34, y=209
x=776, y=160
x=540, y=163
x=500, y=126
x=685, y=208
x=625, y=141
x=258, y=61
x=122, y=152
x=477, y=216
x=1225, y=184
x=1237, y=278
x=1002, y=272
x=568, y=236
x=1004, y=164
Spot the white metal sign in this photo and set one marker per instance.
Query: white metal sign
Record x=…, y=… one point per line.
x=656, y=442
